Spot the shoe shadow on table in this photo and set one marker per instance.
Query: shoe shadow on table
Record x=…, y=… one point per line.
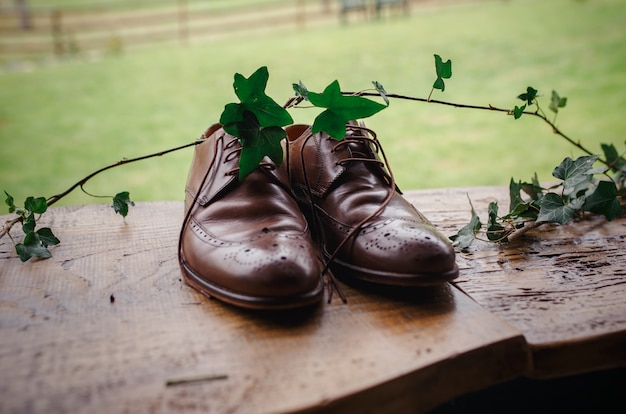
x=361, y=298
x=437, y=297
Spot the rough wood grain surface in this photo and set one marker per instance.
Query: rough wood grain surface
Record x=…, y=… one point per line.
x=107, y=325
x=564, y=287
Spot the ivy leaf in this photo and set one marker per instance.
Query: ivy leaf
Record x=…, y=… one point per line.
x=518, y=207
x=339, y=110
x=557, y=102
x=467, y=234
x=444, y=71
x=495, y=230
x=301, y=90
x=257, y=143
x=515, y=196
x=612, y=157
x=518, y=111
x=32, y=247
x=251, y=93
x=247, y=89
x=121, y=201
x=46, y=237
x=22, y=252
x=523, y=210
x=232, y=114
x=533, y=189
x=554, y=209
x=576, y=174
x=529, y=96
x=9, y=201
x=332, y=123
x=257, y=120
x=28, y=223
x=36, y=205
x=604, y=201
x=381, y=90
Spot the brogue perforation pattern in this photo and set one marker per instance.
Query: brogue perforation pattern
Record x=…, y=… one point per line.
x=210, y=239
x=256, y=255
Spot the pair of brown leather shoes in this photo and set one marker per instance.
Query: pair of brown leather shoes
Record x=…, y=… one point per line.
x=249, y=243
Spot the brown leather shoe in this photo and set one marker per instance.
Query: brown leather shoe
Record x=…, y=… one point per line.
x=366, y=229
x=246, y=243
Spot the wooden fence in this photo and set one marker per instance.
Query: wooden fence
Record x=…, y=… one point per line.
x=72, y=31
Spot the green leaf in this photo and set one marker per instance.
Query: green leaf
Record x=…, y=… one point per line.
x=36, y=205
x=444, y=71
x=251, y=92
x=32, y=247
x=577, y=174
x=613, y=158
x=518, y=111
x=381, y=90
x=495, y=230
x=257, y=143
x=467, y=234
x=256, y=120
x=604, y=201
x=121, y=202
x=533, y=189
x=529, y=96
x=518, y=207
x=22, y=252
x=554, y=209
x=9, y=201
x=339, y=110
x=557, y=102
x=523, y=210
x=331, y=123
x=248, y=89
x=46, y=237
x=301, y=90
x=28, y=224
x=232, y=114
x=439, y=84
x=515, y=196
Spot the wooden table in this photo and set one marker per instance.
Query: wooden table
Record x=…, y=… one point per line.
x=107, y=325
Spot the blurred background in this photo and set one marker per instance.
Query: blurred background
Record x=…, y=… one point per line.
x=85, y=83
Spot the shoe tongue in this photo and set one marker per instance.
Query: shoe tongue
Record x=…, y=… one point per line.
x=322, y=163
x=361, y=160
x=221, y=152
x=359, y=146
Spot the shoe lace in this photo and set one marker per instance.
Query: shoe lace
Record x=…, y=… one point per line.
x=367, y=139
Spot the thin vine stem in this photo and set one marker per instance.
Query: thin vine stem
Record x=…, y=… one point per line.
x=528, y=226
x=541, y=116
x=53, y=199
x=293, y=102
x=8, y=225
x=82, y=188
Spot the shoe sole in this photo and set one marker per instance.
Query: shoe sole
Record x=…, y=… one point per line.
x=251, y=302
x=343, y=269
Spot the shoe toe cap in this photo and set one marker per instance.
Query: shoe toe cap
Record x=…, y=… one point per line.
x=272, y=266
x=404, y=247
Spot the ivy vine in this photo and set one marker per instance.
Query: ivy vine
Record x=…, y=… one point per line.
x=258, y=121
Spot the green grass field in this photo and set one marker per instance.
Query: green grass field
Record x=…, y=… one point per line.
x=60, y=122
